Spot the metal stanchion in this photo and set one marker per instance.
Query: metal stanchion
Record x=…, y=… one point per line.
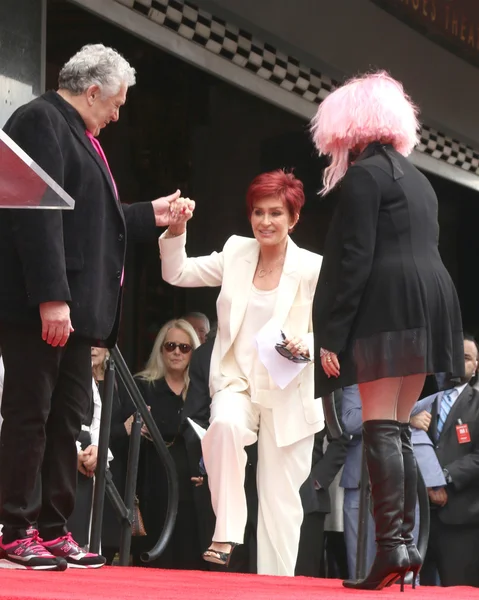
x=102, y=462
x=363, y=518
x=331, y=416
x=424, y=515
x=162, y=449
x=130, y=488
x=103, y=479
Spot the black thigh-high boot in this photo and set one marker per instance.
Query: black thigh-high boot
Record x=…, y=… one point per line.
x=410, y=499
x=381, y=439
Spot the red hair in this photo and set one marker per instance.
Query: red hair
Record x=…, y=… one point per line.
x=276, y=184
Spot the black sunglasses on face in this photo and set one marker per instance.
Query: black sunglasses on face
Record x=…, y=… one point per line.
x=172, y=346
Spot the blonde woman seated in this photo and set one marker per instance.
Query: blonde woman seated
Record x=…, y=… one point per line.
x=164, y=384
x=262, y=277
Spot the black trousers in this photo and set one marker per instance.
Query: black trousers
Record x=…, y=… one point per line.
x=46, y=396
x=311, y=545
x=453, y=550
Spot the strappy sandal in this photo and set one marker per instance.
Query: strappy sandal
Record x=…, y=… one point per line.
x=217, y=557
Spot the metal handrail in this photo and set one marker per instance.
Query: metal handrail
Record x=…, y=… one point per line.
x=331, y=416
x=117, y=364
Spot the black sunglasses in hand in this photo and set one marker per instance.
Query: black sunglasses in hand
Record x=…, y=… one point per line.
x=281, y=349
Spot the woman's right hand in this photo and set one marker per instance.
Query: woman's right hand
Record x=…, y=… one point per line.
x=330, y=363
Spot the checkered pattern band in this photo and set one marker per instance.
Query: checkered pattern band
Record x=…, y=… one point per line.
x=243, y=49
x=452, y=151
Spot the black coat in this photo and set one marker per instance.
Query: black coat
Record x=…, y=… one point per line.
x=461, y=460
x=198, y=400
x=62, y=255
x=384, y=302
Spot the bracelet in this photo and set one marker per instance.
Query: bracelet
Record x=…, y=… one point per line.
x=324, y=352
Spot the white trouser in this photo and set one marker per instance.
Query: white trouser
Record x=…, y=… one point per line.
x=234, y=424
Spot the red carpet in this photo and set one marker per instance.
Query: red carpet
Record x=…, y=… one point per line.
x=116, y=583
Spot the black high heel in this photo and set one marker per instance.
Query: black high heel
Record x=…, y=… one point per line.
x=217, y=557
x=389, y=566
x=386, y=473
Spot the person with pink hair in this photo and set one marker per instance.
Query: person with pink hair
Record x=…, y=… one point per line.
x=385, y=312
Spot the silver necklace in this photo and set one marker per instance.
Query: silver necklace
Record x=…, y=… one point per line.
x=262, y=272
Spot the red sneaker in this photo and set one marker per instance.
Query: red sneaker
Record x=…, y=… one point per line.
x=29, y=553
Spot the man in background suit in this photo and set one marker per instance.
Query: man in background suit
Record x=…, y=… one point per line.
x=454, y=537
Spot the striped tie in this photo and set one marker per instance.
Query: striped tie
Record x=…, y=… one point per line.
x=446, y=405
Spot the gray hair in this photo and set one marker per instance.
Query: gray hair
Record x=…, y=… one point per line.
x=95, y=64
x=198, y=315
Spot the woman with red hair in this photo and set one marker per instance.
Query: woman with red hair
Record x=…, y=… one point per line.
x=262, y=278
x=385, y=312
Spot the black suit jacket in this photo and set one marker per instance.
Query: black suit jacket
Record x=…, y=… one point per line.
x=461, y=460
x=73, y=256
x=198, y=400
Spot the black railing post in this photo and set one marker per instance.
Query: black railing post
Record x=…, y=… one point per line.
x=363, y=519
x=130, y=489
x=162, y=449
x=102, y=462
x=331, y=416
x=103, y=479
x=424, y=515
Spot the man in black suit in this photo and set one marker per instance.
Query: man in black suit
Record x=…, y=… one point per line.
x=453, y=547
x=61, y=275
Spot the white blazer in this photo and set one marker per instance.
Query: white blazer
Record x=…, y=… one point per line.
x=296, y=413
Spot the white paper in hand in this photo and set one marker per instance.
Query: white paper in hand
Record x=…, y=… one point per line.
x=281, y=370
x=200, y=431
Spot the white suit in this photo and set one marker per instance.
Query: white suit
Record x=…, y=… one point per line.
x=289, y=417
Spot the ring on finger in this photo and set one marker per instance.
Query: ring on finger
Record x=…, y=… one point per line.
x=328, y=359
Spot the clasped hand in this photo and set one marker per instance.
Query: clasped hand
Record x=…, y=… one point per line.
x=87, y=460
x=173, y=210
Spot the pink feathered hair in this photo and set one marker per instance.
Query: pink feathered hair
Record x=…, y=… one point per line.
x=365, y=109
